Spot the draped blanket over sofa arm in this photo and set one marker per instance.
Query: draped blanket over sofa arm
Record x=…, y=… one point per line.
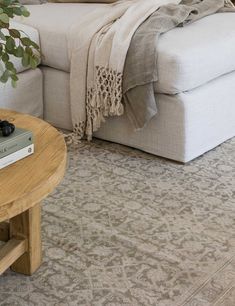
x=98, y=56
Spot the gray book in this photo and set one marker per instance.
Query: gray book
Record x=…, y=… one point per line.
x=18, y=140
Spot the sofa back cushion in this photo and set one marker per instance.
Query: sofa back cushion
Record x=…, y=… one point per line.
x=83, y=1
x=26, y=2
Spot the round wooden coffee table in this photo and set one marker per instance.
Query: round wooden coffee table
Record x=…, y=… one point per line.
x=23, y=186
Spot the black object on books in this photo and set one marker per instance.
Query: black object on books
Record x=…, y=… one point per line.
x=6, y=128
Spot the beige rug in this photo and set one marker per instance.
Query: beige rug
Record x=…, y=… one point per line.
x=126, y=228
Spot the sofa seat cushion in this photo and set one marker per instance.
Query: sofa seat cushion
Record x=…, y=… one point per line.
x=29, y=31
x=54, y=21
x=187, y=57
x=200, y=52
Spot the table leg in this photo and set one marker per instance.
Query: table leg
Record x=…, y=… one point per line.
x=4, y=231
x=28, y=226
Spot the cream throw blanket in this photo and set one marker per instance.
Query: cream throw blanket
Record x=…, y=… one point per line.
x=98, y=47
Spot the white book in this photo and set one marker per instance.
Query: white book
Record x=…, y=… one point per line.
x=14, y=157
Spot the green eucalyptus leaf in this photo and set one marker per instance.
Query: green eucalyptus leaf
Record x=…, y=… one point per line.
x=13, y=83
x=13, y=42
x=17, y=11
x=14, y=77
x=4, y=18
x=24, y=12
x=2, y=36
x=10, y=44
x=14, y=33
x=10, y=67
x=33, y=62
x=19, y=51
x=5, y=57
x=5, y=76
x=25, y=60
x=34, y=45
x=25, y=41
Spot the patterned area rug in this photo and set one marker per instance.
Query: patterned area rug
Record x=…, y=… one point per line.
x=126, y=228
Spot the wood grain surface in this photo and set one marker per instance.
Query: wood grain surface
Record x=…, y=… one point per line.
x=28, y=181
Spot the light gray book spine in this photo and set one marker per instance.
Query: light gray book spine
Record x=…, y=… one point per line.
x=18, y=140
x=16, y=156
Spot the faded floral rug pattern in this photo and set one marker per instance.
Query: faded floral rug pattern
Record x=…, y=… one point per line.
x=126, y=228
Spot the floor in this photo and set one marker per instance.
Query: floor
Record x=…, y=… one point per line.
x=126, y=228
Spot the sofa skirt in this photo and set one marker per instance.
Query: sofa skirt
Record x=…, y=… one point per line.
x=27, y=97
x=186, y=126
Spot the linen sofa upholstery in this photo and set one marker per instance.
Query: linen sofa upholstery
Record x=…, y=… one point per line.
x=195, y=92
x=187, y=57
x=27, y=97
x=188, y=124
x=196, y=54
x=54, y=21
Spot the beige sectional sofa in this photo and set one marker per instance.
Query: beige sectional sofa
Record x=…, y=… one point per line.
x=195, y=92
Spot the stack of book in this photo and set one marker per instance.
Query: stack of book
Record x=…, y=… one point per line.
x=15, y=147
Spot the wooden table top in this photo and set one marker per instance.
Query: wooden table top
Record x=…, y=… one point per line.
x=28, y=181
